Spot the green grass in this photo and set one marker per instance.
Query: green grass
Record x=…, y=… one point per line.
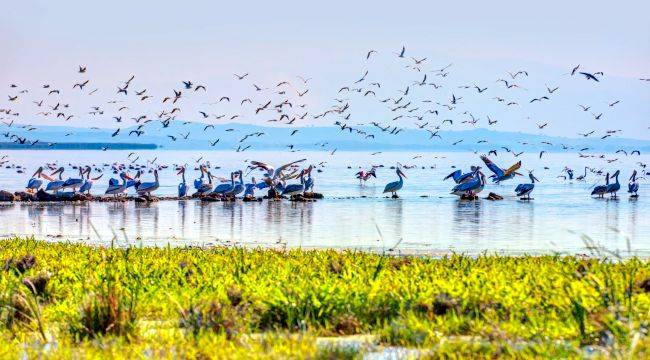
x=70, y=300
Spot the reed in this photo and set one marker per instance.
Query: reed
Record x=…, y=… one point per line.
x=234, y=302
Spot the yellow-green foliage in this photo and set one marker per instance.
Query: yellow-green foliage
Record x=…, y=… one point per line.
x=232, y=302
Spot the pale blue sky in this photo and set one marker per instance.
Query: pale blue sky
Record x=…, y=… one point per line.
x=163, y=42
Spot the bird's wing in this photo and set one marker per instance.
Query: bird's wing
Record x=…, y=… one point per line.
x=492, y=166
x=513, y=168
x=280, y=168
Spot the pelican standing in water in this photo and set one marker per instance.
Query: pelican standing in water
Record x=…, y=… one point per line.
x=293, y=190
x=146, y=188
x=114, y=186
x=35, y=182
x=524, y=190
x=615, y=187
x=600, y=190
x=459, y=177
x=182, y=187
x=395, y=186
x=56, y=185
x=471, y=187
x=363, y=176
x=202, y=187
x=633, y=186
x=88, y=184
x=223, y=189
x=309, y=181
x=237, y=187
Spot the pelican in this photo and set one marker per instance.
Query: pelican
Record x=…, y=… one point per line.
x=35, y=182
x=147, y=187
x=524, y=190
x=459, y=177
x=395, y=186
x=249, y=191
x=309, y=182
x=88, y=184
x=115, y=188
x=499, y=174
x=613, y=188
x=633, y=186
x=363, y=176
x=74, y=183
x=182, y=187
x=295, y=189
x=56, y=185
x=204, y=187
x=600, y=190
x=582, y=177
x=471, y=187
x=225, y=188
x=272, y=172
x=237, y=187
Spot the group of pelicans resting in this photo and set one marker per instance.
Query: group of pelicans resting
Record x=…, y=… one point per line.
x=273, y=179
x=469, y=184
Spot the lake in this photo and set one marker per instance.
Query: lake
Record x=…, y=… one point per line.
x=426, y=219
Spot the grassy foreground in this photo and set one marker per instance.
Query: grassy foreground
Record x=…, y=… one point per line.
x=76, y=301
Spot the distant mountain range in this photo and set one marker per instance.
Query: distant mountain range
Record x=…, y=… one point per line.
x=324, y=138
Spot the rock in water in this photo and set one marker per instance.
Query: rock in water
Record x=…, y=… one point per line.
x=41, y=195
x=7, y=196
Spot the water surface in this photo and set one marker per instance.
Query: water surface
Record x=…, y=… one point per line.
x=426, y=219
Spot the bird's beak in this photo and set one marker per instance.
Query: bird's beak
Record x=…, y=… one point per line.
x=126, y=176
x=516, y=173
x=46, y=177
x=56, y=172
x=182, y=170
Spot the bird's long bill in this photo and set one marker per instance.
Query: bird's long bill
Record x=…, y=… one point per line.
x=401, y=172
x=38, y=172
x=520, y=174
x=57, y=171
x=128, y=177
x=48, y=178
x=97, y=178
x=182, y=170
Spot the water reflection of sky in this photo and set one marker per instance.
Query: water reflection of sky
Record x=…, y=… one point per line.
x=554, y=222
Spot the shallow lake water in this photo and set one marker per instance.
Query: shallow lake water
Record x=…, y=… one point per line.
x=426, y=219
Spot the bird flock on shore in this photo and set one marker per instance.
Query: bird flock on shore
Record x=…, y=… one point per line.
x=431, y=102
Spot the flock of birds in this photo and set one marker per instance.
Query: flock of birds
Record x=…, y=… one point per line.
x=275, y=180
x=419, y=104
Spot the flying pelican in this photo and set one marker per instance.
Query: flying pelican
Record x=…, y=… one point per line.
x=88, y=184
x=524, y=190
x=600, y=190
x=147, y=187
x=633, y=186
x=56, y=185
x=499, y=174
x=395, y=186
x=182, y=187
x=115, y=188
x=613, y=188
x=295, y=189
x=473, y=186
x=272, y=172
